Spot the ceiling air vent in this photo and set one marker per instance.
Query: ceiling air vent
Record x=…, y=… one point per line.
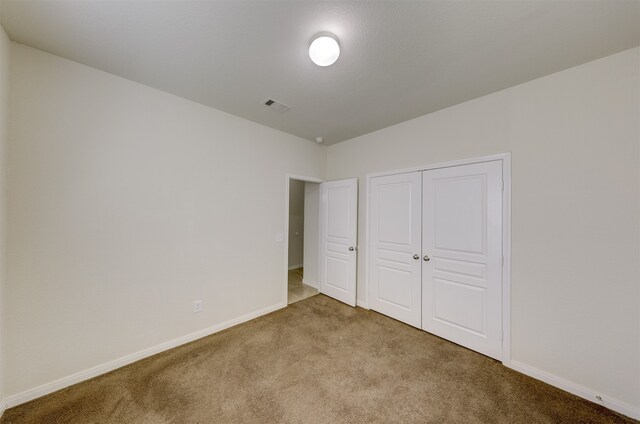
x=276, y=105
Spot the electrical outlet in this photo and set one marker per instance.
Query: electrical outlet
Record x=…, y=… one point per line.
x=197, y=306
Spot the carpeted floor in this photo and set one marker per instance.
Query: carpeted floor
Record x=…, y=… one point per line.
x=317, y=361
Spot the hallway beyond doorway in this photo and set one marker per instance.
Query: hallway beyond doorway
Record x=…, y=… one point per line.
x=297, y=290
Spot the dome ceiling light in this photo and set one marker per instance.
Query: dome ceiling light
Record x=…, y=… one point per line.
x=324, y=50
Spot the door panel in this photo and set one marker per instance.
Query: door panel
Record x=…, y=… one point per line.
x=460, y=213
x=460, y=305
x=462, y=236
x=394, y=240
x=338, y=237
x=394, y=286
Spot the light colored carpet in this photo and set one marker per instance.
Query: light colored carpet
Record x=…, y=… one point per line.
x=317, y=361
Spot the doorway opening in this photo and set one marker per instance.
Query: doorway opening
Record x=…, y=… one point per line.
x=302, y=238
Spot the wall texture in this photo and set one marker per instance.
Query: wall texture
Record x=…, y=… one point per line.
x=296, y=223
x=125, y=205
x=575, y=139
x=5, y=48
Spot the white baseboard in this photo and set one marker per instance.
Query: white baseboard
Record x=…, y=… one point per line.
x=28, y=395
x=576, y=389
x=63, y=382
x=292, y=267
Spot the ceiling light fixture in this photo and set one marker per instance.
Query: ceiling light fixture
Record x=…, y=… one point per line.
x=324, y=50
x=319, y=140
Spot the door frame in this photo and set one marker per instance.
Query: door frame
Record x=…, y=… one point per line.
x=505, y=158
x=288, y=178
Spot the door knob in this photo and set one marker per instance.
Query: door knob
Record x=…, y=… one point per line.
x=351, y=248
x=416, y=256
x=426, y=258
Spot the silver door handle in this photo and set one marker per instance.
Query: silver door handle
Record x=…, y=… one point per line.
x=416, y=256
x=426, y=258
x=351, y=248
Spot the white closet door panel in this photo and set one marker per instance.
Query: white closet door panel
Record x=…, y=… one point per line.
x=394, y=241
x=462, y=239
x=338, y=237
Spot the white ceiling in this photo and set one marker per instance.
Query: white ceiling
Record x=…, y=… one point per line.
x=399, y=60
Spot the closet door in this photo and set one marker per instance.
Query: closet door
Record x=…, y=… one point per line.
x=395, y=263
x=462, y=255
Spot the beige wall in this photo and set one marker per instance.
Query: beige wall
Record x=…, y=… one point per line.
x=574, y=138
x=125, y=205
x=5, y=47
x=296, y=223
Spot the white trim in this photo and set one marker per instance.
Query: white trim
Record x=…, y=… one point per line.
x=367, y=232
x=362, y=304
x=3, y=407
x=63, y=382
x=304, y=178
x=577, y=389
x=287, y=179
x=292, y=267
x=506, y=234
x=506, y=258
x=480, y=159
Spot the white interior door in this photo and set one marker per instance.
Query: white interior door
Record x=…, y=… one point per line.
x=462, y=255
x=338, y=238
x=394, y=261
